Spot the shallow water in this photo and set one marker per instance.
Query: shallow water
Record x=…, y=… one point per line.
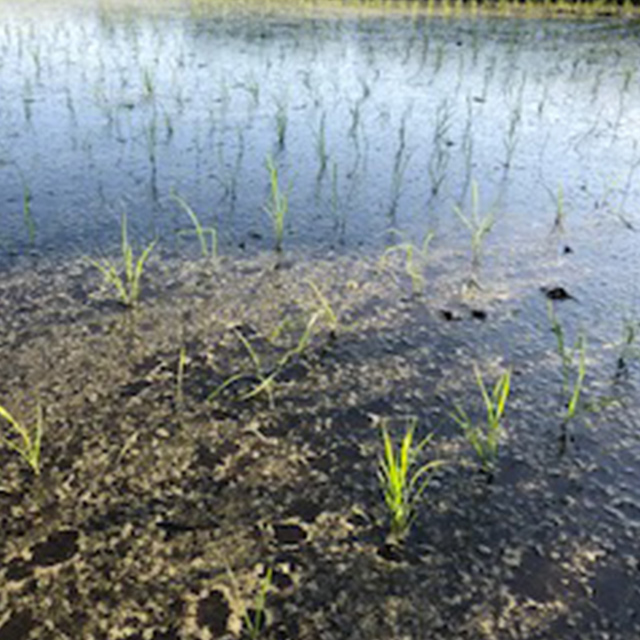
x=163, y=497
x=385, y=122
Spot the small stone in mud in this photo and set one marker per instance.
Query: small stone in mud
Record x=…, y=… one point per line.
x=213, y=613
x=289, y=533
x=58, y=547
x=450, y=316
x=281, y=581
x=390, y=552
x=557, y=293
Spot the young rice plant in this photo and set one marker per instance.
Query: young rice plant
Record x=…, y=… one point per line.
x=127, y=281
x=403, y=478
x=26, y=442
x=484, y=437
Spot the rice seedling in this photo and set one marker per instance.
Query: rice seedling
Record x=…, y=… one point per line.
x=208, y=250
x=182, y=362
x=325, y=308
x=281, y=123
x=26, y=441
x=400, y=164
x=339, y=219
x=479, y=226
x=255, y=619
x=278, y=206
x=558, y=223
x=403, y=478
x=264, y=378
x=628, y=350
x=414, y=263
x=485, y=436
x=127, y=281
x=321, y=146
x=148, y=89
x=570, y=391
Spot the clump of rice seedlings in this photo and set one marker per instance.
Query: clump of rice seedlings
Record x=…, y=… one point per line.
x=403, y=478
x=25, y=441
x=208, y=250
x=479, y=226
x=263, y=377
x=570, y=391
x=126, y=281
x=278, y=205
x=414, y=263
x=256, y=620
x=485, y=436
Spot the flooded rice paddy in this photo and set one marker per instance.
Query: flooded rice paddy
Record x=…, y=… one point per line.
x=457, y=194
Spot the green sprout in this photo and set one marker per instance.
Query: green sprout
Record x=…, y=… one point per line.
x=182, y=363
x=267, y=376
x=414, y=263
x=479, y=226
x=402, y=478
x=255, y=619
x=325, y=308
x=127, y=283
x=28, y=442
x=484, y=437
x=571, y=392
x=278, y=206
x=200, y=231
x=257, y=622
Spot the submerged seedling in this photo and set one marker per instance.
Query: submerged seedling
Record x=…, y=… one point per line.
x=125, y=281
x=570, y=390
x=266, y=376
x=403, y=478
x=478, y=225
x=26, y=441
x=278, y=205
x=208, y=250
x=484, y=436
x=325, y=308
x=628, y=348
x=415, y=260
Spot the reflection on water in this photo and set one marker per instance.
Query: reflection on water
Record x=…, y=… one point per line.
x=376, y=122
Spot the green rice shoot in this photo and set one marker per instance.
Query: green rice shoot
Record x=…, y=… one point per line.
x=402, y=478
x=126, y=281
x=28, y=442
x=484, y=437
